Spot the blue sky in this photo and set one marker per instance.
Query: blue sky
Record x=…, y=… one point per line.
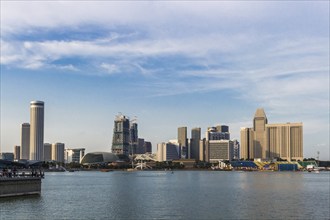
x=171, y=64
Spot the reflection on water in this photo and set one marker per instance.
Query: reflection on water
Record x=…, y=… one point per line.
x=178, y=195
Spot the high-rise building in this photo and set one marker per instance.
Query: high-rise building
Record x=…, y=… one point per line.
x=236, y=150
x=203, y=150
x=259, y=129
x=194, y=143
x=183, y=142
x=167, y=151
x=221, y=132
x=121, y=139
x=47, y=152
x=36, y=130
x=219, y=150
x=270, y=141
x=17, y=153
x=140, y=147
x=133, y=136
x=148, y=147
x=58, y=152
x=74, y=155
x=285, y=141
x=247, y=138
x=25, y=141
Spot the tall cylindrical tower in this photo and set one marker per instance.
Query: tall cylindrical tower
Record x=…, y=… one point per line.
x=36, y=130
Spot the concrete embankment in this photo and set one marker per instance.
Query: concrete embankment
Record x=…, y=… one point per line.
x=20, y=186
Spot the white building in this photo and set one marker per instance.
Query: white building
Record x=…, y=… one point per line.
x=36, y=130
x=167, y=151
x=74, y=155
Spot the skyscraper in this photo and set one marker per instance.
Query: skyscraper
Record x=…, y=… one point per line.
x=17, y=153
x=36, y=130
x=194, y=143
x=58, y=152
x=183, y=142
x=133, y=136
x=269, y=141
x=259, y=129
x=285, y=141
x=121, y=139
x=47, y=152
x=148, y=146
x=25, y=141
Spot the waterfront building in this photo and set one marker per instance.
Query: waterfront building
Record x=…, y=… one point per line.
x=25, y=141
x=183, y=142
x=236, y=150
x=194, y=143
x=74, y=155
x=140, y=146
x=167, y=151
x=17, y=153
x=47, y=152
x=148, y=147
x=259, y=130
x=285, y=141
x=7, y=156
x=203, y=150
x=99, y=158
x=219, y=150
x=58, y=152
x=36, y=130
x=134, y=139
x=121, y=140
x=271, y=141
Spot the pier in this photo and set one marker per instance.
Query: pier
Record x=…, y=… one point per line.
x=20, y=186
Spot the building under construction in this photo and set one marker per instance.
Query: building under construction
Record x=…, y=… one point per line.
x=121, y=135
x=125, y=136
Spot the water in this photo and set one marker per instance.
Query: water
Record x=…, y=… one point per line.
x=181, y=195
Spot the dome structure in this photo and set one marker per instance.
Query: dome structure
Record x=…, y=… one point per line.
x=99, y=158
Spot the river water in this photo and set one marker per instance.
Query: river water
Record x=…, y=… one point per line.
x=178, y=195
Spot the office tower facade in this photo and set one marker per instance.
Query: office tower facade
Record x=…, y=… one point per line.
x=133, y=136
x=121, y=139
x=25, y=141
x=203, y=150
x=58, y=152
x=259, y=129
x=236, y=150
x=183, y=142
x=221, y=132
x=148, y=147
x=17, y=153
x=47, y=152
x=271, y=141
x=74, y=155
x=7, y=156
x=194, y=143
x=167, y=151
x=285, y=141
x=36, y=130
x=219, y=150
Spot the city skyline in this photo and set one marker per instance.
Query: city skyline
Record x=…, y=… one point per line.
x=172, y=64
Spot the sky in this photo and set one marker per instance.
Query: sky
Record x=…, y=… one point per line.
x=169, y=64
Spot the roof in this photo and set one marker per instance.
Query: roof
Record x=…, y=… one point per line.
x=260, y=113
